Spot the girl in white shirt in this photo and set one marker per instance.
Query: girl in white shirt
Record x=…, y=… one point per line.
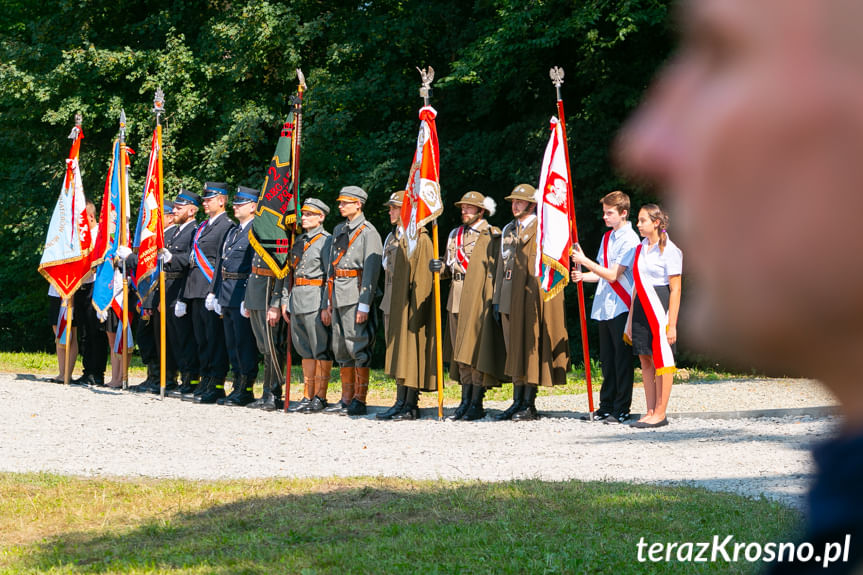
x=652, y=326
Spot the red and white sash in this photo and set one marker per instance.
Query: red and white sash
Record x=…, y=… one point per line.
x=618, y=286
x=460, y=256
x=657, y=317
x=198, y=257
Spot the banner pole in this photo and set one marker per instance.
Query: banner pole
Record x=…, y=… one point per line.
x=425, y=94
x=556, y=74
x=123, y=241
x=67, y=372
x=295, y=179
x=158, y=109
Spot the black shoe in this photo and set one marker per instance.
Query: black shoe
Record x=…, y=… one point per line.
x=215, y=392
x=622, y=418
x=597, y=416
x=186, y=386
x=316, y=405
x=517, y=398
x=236, y=388
x=464, y=405
x=197, y=389
x=407, y=414
x=85, y=380
x=356, y=407
x=339, y=408
x=397, y=407
x=301, y=405
x=242, y=399
x=643, y=425
x=528, y=413
x=267, y=402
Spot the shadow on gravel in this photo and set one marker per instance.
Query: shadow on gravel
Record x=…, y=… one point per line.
x=419, y=527
x=727, y=436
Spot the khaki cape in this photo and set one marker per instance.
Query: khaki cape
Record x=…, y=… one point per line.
x=410, y=339
x=538, y=342
x=479, y=341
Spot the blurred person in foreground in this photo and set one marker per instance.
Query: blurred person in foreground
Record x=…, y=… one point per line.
x=757, y=125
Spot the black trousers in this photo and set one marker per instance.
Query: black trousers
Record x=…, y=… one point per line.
x=92, y=339
x=210, y=339
x=618, y=369
x=181, y=342
x=240, y=338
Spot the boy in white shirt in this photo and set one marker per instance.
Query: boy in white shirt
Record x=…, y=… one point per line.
x=613, y=272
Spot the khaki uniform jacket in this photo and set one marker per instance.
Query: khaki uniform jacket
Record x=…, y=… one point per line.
x=262, y=292
x=364, y=254
x=411, y=354
x=538, y=342
x=454, y=269
x=313, y=263
x=391, y=246
x=479, y=341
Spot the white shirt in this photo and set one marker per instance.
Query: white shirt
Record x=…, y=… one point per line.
x=658, y=267
x=621, y=251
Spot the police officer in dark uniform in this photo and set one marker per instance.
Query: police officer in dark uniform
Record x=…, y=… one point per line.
x=180, y=336
x=206, y=324
x=229, y=287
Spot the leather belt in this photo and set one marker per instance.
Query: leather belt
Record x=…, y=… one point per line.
x=233, y=276
x=309, y=282
x=348, y=273
x=266, y=272
x=173, y=275
x=458, y=277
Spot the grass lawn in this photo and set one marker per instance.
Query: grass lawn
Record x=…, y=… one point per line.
x=57, y=524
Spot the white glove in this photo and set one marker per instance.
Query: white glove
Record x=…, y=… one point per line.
x=102, y=315
x=243, y=311
x=180, y=309
x=123, y=252
x=208, y=303
x=217, y=308
x=165, y=255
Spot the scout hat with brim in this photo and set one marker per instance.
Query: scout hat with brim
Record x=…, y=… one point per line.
x=213, y=189
x=245, y=195
x=352, y=194
x=473, y=198
x=396, y=199
x=524, y=192
x=187, y=198
x=315, y=206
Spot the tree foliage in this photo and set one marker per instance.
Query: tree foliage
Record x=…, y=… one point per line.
x=228, y=69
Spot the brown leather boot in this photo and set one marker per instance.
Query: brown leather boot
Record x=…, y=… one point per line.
x=361, y=389
x=348, y=375
x=323, y=378
x=309, y=366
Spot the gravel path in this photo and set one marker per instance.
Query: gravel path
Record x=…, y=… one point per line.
x=82, y=431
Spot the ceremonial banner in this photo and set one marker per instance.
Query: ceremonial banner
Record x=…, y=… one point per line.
x=117, y=306
x=62, y=325
x=108, y=238
x=276, y=213
x=149, y=237
x=553, y=239
x=422, y=201
x=66, y=260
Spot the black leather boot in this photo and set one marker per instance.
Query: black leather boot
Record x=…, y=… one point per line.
x=236, y=386
x=476, y=410
x=149, y=384
x=397, y=406
x=244, y=395
x=528, y=411
x=215, y=392
x=267, y=401
x=186, y=385
x=517, y=399
x=170, y=383
x=316, y=405
x=198, y=389
x=411, y=410
x=465, y=403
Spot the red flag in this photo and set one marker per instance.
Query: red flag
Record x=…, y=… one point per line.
x=422, y=201
x=66, y=259
x=149, y=237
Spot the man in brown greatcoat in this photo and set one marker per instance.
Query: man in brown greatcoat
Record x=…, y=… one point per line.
x=475, y=342
x=410, y=328
x=537, y=348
